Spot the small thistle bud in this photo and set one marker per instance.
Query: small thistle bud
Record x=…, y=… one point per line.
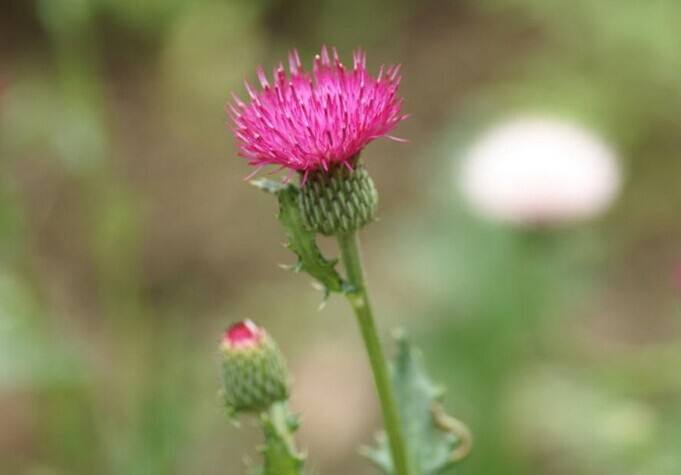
x=339, y=200
x=253, y=369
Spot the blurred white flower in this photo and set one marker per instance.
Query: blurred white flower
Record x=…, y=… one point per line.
x=539, y=171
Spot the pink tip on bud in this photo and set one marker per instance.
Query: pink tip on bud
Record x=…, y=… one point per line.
x=242, y=334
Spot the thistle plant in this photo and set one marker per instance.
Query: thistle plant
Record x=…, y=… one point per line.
x=315, y=125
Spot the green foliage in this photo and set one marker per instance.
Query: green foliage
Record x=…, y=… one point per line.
x=435, y=441
x=301, y=240
x=279, y=451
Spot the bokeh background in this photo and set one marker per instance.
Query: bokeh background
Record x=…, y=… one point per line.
x=128, y=240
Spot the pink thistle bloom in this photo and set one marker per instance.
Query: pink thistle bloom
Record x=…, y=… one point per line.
x=309, y=121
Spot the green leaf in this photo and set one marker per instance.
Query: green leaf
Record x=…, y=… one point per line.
x=301, y=240
x=435, y=441
x=281, y=456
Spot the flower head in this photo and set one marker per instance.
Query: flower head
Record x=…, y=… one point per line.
x=254, y=372
x=540, y=171
x=307, y=121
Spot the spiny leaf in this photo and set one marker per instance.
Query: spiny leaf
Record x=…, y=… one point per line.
x=435, y=441
x=301, y=240
x=281, y=456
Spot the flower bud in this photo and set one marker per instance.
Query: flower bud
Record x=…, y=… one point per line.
x=253, y=369
x=339, y=200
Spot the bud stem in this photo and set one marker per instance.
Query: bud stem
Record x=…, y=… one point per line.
x=359, y=299
x=281, y=455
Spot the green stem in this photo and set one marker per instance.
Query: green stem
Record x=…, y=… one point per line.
x=359, y=299
x=281, y=455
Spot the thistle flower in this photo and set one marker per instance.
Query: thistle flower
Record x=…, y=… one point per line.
x=312, y=121
x=540, y=171
x=253, y=369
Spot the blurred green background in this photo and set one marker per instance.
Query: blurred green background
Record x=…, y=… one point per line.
x=128, y=240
